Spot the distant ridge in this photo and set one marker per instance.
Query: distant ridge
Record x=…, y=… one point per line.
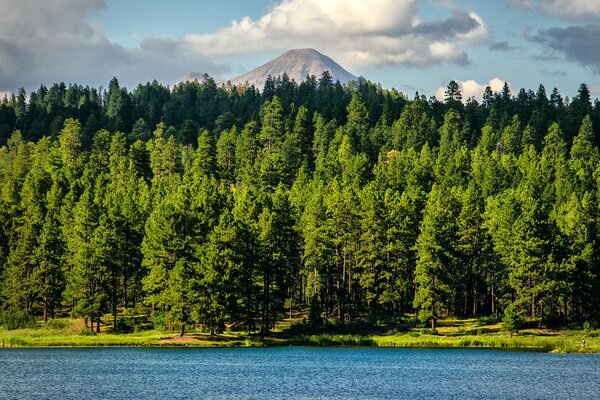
x=297, y=64
x=197, y=76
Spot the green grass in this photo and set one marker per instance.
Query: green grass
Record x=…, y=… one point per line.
x=559, y=343
x=69, y=333
x=452, y=333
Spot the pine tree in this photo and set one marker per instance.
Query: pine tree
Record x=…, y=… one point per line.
x=226, y=158
x=436, y=255
x=48, y=276
x=88, y=245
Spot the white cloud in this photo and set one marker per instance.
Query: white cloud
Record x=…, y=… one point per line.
x=52, y=41
x=42, y=42
x=355, y=32
x=471, y=88
x=595, y=90
x=569, y=9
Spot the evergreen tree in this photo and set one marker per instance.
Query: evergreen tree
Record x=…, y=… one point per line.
x=437, y=255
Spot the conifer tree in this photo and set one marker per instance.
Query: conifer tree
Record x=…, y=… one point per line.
x=437, y=255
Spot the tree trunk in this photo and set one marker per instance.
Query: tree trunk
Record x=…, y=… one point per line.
x=291, y=299
x=125, y=292
x=114, y=310
x=45, y=310
x=182, y=332
x=433, y=320
x=493, y=301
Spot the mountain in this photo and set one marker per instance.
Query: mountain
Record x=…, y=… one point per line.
x=197, y=76
x=298, y=64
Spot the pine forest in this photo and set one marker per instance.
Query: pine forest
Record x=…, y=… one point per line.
x=220, y=206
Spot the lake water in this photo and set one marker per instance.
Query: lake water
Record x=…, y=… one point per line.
x=295, y=373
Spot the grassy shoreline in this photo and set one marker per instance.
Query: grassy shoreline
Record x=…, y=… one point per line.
x=529, y=340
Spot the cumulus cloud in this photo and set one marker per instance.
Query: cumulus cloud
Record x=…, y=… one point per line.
x=576, y=43
x=575, y=10
x=356, y=32
x=471, y=88
x=50, y=41
x=58, y=40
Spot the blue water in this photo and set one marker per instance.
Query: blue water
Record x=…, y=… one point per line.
x=295, y=373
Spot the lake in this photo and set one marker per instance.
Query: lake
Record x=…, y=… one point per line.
x=295, y=373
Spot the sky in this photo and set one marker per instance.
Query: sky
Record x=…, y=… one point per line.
x=409, y=45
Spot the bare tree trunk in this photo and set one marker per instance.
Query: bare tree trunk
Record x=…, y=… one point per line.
x=493, y=301
x=45, y=310
x=114, y=310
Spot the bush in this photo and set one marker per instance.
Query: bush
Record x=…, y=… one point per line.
x=314, y=315
x=86, y=332
x=488, y=320
x=429, y=331
x=12, y=320
x=512, y=321
x=159, y=322
x=406, y=323
x=56, y=324
x=125, y=325
x=127, y=322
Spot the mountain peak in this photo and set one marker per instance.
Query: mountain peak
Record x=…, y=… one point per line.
x=297, y=64
x=306, y=51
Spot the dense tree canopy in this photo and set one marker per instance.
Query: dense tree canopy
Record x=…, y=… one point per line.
x=218, y=206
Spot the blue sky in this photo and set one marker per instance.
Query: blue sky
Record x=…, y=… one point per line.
x=407, y=44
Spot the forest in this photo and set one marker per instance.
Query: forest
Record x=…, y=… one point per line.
x=212, y=206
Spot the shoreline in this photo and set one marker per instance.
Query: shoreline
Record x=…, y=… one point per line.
x=553, y=344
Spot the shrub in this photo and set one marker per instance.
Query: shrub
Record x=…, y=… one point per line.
x=86, y=332
x=406, y=323
x=159, y=322
x=429, y=331
x=125, y=325
x=512, y=321
x=588, y=326
x=12, y=320
x=314, y=316
x=488, y=320
x=56, y=324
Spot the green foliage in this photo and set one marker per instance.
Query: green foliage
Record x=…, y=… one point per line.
x=429, y=331
x=228, y=208
x=314, y=315
x=437, y=254
x=512, y=321
x=15, y=319
x=488, y=320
